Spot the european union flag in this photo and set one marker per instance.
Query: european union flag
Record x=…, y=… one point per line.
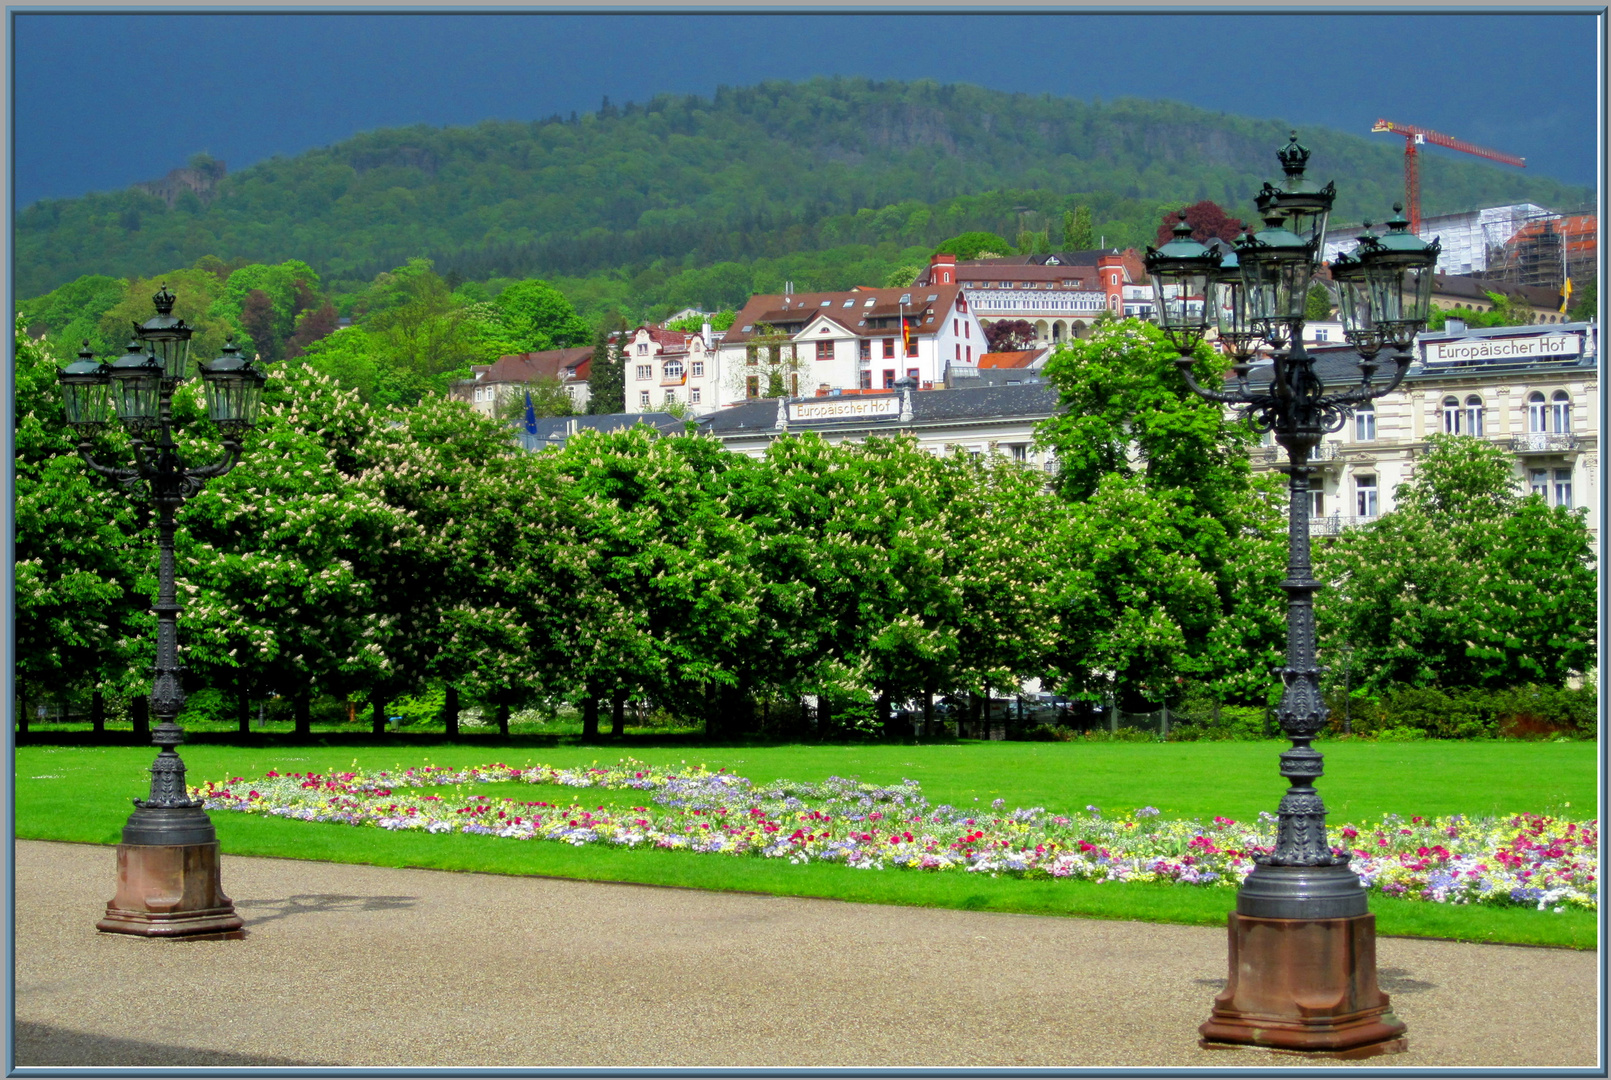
x=531, y=416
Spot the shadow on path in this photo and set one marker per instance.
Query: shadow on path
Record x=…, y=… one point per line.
x=315, y=904
x=41, y=1044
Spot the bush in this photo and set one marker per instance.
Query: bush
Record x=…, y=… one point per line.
x=1234, y=723
x=1523, y=712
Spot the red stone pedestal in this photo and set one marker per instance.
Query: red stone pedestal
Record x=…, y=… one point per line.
x=171, y=891
x=1304, y=985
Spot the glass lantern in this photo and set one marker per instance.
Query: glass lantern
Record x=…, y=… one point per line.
x=1238, y=336
x=1354, y=300
x=168, y=337
x=85, y=393
x=1399, y=270
x=1304, y=206
x=234, y=389
x=1276, y=266
x=136, y=381
x=1182, y=272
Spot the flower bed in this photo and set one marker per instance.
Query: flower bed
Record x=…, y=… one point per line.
x=1526, y=859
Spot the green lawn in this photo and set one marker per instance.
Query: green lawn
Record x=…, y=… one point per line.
x=82, y=794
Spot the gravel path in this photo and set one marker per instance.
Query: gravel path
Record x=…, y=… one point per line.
x=364, y=966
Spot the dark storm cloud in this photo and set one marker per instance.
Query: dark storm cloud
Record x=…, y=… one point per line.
x=103, y=100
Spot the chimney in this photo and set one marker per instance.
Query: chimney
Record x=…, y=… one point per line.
x=942, y=269
x=1454, y=326
x=706, y=333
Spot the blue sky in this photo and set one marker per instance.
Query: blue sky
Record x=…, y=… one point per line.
x=101, y=100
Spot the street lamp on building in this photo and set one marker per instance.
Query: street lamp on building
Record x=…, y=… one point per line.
x=1302, y=939
x=169, y=882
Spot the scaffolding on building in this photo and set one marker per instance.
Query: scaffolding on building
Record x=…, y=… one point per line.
x=1543, y=249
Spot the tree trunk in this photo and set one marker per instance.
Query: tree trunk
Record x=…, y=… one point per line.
x=22, y=711
x=450, y=712
x=928, y=713
x=243, y=710
x=377, y=713
x=141, y=714
x=590, y=718
x=304, y=714
x=824, y=715
x=503, y=719
x=618, y=715
x=886, y=722
x=98, y=713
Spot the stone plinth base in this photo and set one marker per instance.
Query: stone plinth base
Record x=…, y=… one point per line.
x=171, y=891
x=1304, y=985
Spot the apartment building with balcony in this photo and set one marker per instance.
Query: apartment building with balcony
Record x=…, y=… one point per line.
x=1532, y=390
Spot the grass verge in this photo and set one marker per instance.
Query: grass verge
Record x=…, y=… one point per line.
x=81, y=794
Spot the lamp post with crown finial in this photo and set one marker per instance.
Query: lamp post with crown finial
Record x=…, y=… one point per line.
x=169, y=882
x=1302, y=939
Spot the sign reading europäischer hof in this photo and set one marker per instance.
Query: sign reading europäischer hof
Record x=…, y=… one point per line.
x=844, y=408
x=1504, y=350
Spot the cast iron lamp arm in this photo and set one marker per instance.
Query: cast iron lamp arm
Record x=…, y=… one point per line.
x=1242, y=397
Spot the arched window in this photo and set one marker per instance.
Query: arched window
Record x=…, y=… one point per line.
x=1560, y=410
x=1536, y=415
x=673, y=369
x=1451, y=417
x=1365, y=422
x=1474, y=416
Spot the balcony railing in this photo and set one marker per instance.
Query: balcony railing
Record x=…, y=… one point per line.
x=1334, y=524
x=1275, y=455
x=1542, y=442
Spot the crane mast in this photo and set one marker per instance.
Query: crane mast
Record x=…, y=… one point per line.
x=1413, y=137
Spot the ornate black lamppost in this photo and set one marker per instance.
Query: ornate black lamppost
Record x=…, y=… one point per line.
x=169, y=883
x=1302, y=940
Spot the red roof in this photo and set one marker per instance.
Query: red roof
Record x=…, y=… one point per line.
x=1020, y=359
x=565, y=365
x=850, y=309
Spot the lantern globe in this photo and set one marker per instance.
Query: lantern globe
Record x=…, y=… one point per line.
x=168, y=337
x=1305, y=206
x=1238, y=336
x=137, y=390
x=85, y=390
x=234, y=388
x=1354, y=301
x=1399, y=269
x=1182, y=273
x=1276, y=265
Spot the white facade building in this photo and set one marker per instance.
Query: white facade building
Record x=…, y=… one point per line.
x=1531, y=390
x=670, y=367
x=851, y=342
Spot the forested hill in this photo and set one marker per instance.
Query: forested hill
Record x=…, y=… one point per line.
x=758, y=171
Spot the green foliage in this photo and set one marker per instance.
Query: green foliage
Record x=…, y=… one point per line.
x=1586, y=305
x=755, y=172
x=1506, y=311
x=1530, y=711
x=538, y=317
x=693, y=324
x=903, y=276
x=82, y=556
x=606, y=380
x=1173, y=550
x=1465, y=583
x=974, y=245
x=1077, y=233
x=1317, y=305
